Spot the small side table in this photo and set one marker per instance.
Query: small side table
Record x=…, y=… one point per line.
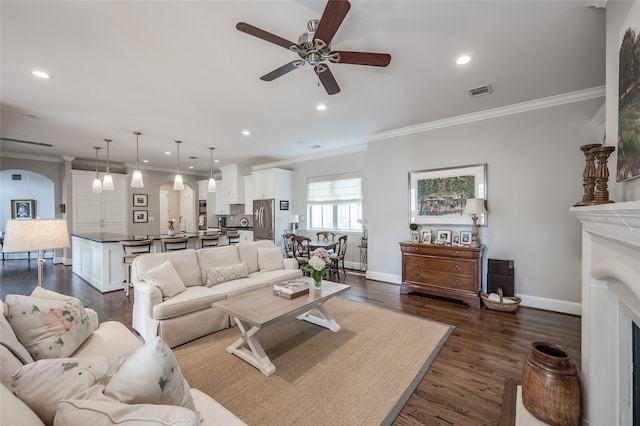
x=363, y=258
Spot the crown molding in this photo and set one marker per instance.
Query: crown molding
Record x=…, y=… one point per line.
x=551, y=101
x=49, y=158
x=325, y=154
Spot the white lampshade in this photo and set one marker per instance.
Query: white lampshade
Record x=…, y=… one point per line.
x=22, y=235
x=97, y=185
x=107, y=182
x=211, y=187
x=136, y=179
x=178, y=185
x=474, y=206
x=294, y=218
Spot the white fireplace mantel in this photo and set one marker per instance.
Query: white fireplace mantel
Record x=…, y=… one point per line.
x=610, y=303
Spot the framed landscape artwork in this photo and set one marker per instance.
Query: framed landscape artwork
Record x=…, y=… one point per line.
x=438, y=196
x=629, y=97
x=23, y=209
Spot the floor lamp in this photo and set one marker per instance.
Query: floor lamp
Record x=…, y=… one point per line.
x=25, y=235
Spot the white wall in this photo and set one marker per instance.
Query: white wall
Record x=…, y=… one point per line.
x=534, y=175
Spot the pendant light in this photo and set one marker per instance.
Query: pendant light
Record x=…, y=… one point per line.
x=107, y=181
x=178, y=185
x=136, y=180
x=211, y=187
x=97, y=185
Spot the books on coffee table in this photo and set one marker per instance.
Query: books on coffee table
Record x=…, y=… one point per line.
x=291, y=289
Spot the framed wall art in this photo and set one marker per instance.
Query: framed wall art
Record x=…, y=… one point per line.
x=140, y=216
x=140, y=200
x=284, y=205
x=23, y=209
x=438, y=196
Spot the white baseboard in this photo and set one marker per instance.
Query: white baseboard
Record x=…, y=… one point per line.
x=555, y=305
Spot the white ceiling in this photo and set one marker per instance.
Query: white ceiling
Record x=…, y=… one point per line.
x=180, y=70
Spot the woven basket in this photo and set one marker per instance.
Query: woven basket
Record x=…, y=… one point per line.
x=500, y=306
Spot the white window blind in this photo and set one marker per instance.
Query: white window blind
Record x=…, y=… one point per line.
x=334, y=202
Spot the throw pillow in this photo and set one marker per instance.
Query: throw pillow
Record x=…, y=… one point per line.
x=151, y=375
x=88, y=412
x=166, y=278
x=48, y=328
x=226, y=273
x=42, y=384
x=270, y=259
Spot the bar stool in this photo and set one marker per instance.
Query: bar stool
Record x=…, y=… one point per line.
x=234, y=238
x=131, y=250
x=176, y=243
x=208, y=241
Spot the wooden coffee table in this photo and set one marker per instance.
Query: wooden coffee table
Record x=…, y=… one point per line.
x=257, y=309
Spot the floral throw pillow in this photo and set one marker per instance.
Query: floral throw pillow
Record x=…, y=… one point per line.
x=48, y=328
x=226, y=273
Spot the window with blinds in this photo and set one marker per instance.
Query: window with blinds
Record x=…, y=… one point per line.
x=334, y=203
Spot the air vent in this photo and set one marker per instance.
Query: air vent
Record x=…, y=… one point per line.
x=48, y=145
x=480, y=91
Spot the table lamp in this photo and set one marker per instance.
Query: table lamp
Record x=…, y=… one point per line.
x=25, y=235
x=474, y=207
x=294, y=219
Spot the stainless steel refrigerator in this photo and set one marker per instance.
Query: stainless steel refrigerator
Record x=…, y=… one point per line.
x=264, y=220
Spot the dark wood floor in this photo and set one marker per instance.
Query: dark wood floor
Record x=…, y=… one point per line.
x=465, y=384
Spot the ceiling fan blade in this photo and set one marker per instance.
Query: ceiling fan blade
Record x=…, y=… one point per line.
x=328, y=81
x=364, y=58
x=279, y=72
x=333, y=15
x=257, y=32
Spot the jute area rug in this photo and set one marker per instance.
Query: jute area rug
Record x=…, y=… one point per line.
x=362, y=375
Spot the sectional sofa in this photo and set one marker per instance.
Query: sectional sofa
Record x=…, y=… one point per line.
x=174, y=291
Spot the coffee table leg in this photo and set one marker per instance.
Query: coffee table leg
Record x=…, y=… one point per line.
x=256, y=356
x=326, y=321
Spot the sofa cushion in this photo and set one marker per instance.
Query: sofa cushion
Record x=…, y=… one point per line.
x=48, y=328
x=270, y=259
x=191, y=300
x=249, y=253
x=151, y=375
x=212, y=411
x=236, y=287
x=43, y=293
x=273, y=277
x=111, y=338
x=14, y=411
x=220, y=274
x=166, y=278
x=216, y=256
x=88, y=412
x=42, y=384
x=184, y=261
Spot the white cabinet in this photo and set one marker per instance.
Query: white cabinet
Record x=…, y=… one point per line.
x=104, y=212
x=248, y=195
x=222, y=207
x=272, y=183
x=202, y=189
x=233, y=185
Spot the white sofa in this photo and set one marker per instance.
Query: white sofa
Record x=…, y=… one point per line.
x=108, y=339
x=189, y=315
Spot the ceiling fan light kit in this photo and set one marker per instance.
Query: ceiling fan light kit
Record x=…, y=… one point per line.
x=314, y=47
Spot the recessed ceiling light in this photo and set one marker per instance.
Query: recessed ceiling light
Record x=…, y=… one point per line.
x=40, y=74
x=167, y=153
x=191, y=167
x=321, y=107
x=463, y=60
x=246, y=132
x=145, y=161
x=216, y=161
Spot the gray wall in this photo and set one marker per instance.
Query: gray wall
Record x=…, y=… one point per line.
x=534, y=174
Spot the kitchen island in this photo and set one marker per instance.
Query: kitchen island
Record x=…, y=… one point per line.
x=97, y=258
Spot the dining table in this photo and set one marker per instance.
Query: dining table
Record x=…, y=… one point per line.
x=328, y=245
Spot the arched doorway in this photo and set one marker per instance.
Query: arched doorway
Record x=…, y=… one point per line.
x=178, y=205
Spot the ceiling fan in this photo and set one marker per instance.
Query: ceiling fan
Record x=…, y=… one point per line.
x=314, y=47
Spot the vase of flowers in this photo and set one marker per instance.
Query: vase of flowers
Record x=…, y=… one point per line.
x=318, y=265
x=171, y=231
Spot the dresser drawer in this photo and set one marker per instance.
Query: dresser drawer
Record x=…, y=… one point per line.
x=436, y=250
x=440, y=279
x=455, y=266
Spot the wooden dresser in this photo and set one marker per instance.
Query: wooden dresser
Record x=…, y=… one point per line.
x=445, y=271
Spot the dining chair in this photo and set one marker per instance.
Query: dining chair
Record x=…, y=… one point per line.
x=301, y=252
x=287, y=245
x=234, y=237
x=132, y=249
x=208, y=240
x=338, y=257
x=175, y=243
x=325, y=236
